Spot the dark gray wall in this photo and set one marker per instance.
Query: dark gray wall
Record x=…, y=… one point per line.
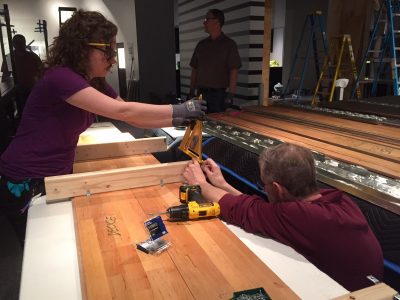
x=296, y=12
x=156, y=49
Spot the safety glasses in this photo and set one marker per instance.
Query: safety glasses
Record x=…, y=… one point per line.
x=108, y=51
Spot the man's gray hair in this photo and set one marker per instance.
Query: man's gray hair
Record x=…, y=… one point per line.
x=291, y=166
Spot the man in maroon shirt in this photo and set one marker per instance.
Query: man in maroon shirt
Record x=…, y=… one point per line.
x=325, y=226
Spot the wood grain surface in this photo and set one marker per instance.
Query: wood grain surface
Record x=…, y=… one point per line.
x=73, y=185
x=379, y=291
x=206, y=260
x=377, y=155
x=114, y=163
x=339, y=123
x=120, y=148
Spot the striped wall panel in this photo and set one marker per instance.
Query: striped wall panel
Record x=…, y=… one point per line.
x=244, y=23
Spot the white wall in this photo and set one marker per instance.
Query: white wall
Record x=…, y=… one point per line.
x=24, y=15
x=125, y=18
x=278, y=24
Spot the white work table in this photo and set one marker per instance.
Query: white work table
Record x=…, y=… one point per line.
x=51, y=269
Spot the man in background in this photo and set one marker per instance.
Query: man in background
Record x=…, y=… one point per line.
x=215, y=63
x=28, y=68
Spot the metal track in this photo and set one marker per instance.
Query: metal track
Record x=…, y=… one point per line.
x=358, y=181
x=346, y=114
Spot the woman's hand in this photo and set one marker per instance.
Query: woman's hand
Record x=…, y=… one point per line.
x=190, y=110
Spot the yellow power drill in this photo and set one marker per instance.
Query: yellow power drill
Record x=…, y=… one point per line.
x=193, y=205
x=192, y=211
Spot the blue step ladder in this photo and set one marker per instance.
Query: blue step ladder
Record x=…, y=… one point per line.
x=314, y=33
x=380, y=63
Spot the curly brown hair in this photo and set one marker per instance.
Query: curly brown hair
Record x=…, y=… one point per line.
x=70, y=48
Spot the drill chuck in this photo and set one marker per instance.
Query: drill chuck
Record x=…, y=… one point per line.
x=178, y=213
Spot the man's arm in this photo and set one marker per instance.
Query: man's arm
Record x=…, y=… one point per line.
x=233, y=74
x=211, y=192
x=214, y=175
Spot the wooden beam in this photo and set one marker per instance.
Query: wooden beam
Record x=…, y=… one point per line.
x=266, y=50
x=377, y=291
x=117, y=149
x=72, y=185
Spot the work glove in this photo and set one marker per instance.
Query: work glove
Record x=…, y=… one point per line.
x=190, y=110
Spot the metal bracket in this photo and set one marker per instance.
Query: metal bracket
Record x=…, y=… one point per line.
x=373, y=279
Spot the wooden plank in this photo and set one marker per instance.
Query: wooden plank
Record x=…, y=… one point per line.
x=114, y=163
x=378, y=165
x=377, y=149
x=117, y=149
x=197, y=265
x=382, y=130
x=65, y=186
x=120, y=270
x=379, y=291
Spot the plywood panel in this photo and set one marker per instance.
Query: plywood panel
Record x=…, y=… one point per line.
x=206, y=260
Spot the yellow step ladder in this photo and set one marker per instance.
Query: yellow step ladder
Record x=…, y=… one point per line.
x=336, y=60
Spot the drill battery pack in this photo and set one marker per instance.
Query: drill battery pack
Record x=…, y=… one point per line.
x=188, y=193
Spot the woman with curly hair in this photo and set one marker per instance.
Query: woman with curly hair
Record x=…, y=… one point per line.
x=64, y=103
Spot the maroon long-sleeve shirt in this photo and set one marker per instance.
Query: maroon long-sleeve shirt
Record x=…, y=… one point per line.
x=331, y=232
